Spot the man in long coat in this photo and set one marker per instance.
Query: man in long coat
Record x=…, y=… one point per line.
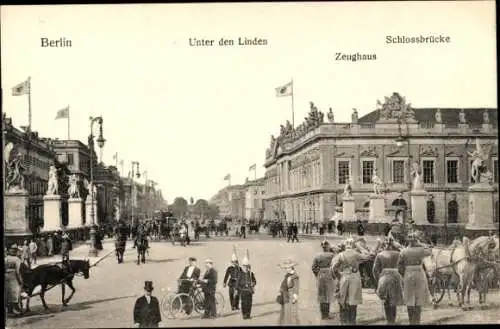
x=209, y=287
x=13, y=279
x=390, y=282
x=246, y=288
x=346, y=265
x=231, y=277
x=147, y=309
x=325, y=279
x=415, y=287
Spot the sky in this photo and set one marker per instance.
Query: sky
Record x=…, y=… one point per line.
x=190, y=115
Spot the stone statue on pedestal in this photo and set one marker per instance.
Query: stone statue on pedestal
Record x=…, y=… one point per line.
x=486, y=117
x=354, y=116
x=439, y=119
x=461, y=116
x=15, y=169
x=53, y=184
x=417, y=181
x=330, y=116
x=378, y=184
x=480, y=155
x=73, y=191
x=347, y=189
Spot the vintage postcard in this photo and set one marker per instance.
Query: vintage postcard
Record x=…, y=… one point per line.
x=250, y=164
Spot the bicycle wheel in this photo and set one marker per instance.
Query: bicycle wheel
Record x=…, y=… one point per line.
x=182, y=306
x=199, y=301
x=166, y=305
x=219, y=302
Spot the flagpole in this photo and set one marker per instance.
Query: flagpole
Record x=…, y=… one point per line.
x=29, y=104
x=116, y=159
x=68, y=123
x=255, y=173
x=293, y=110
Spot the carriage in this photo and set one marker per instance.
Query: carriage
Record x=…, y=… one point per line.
x=179, y=233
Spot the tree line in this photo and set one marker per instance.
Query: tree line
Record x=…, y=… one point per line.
x=201, y=208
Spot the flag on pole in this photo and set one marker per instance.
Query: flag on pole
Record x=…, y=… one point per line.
x=227, y=177
x=253, y=167
x=121, y=162
x=285, y=90
x=63, y=113
x=115, y=156
x=22, y=88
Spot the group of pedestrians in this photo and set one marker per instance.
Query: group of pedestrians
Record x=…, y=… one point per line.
x=399, y=273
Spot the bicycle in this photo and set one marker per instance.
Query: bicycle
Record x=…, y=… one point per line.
x=174, y=305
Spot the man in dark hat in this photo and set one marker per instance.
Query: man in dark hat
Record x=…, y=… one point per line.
x=147, y=309
x=190, y=274
x=390, y=282
x=295, y=232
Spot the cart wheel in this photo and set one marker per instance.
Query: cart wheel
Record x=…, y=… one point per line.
x=182, y=305
x=219, y=302
x=437, y=288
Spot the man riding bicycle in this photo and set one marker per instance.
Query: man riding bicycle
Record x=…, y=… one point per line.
x=189, y=276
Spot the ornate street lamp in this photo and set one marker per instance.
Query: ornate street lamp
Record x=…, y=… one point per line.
x=135, y=164
x=100, y=140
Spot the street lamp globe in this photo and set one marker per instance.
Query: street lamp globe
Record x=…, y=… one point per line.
x=101, y=141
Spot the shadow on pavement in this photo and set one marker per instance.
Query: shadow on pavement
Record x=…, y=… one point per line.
x=27, y=321
x=166, y=260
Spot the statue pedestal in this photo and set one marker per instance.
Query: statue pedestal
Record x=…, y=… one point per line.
x=88, y=213
x=16, y=219
x=419, y=207
x=75, y=212
x=480, y=207
x=348, y=208
x=52, y=212
x=377, y=209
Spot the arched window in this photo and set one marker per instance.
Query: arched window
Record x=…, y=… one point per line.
x=399, y=203
x=431, y=211
x=452, y=212
x=366, y=204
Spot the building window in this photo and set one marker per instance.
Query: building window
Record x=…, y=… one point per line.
x=495, y=171
x=431, y=211
x=367, y=167
x=343, y=167
x=452, y=212
x=428, y=171
x=398, y=171
x=452, y=171
x=70, y=159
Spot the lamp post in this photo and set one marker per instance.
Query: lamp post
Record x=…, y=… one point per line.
x=100, y=141
x=132, y=204
x=400, y=142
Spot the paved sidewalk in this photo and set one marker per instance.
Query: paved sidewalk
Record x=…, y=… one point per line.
x=81, y=252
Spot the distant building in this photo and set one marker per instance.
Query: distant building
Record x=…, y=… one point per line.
x=307, y=168
x=241, y=201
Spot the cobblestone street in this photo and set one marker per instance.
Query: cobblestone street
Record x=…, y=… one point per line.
x=106, y=299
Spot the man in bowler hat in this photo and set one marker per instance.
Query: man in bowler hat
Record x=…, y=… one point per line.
x=147, y=309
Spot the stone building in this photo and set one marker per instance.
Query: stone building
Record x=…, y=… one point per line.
x=37, y=155
x=308, y=167
x=254, y=195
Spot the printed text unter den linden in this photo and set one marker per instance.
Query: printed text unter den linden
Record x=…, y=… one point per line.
x=241, y=41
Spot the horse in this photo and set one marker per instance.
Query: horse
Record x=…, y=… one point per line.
x=459, y=262
x=52, y=275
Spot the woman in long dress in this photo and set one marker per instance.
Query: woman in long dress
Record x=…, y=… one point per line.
x=289, y=295
x=13, y=279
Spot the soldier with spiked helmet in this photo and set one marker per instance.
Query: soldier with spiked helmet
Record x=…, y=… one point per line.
x=231, y=277
x=325, y=279
x=246, y=287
